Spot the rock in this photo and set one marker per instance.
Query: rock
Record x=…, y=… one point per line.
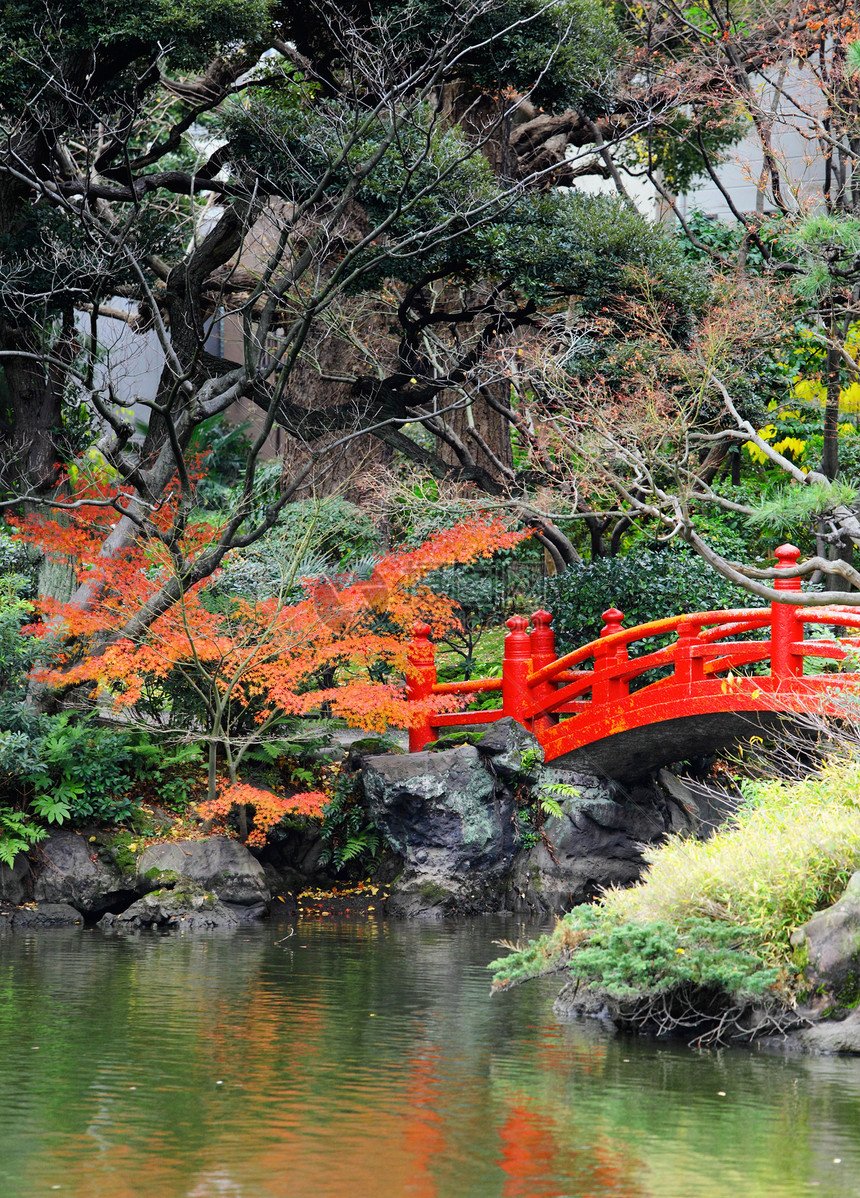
x=576, y=999
x=421, y=898
x=68, y=872
x=700, y=808
x=596, y=842
x=15, y=883
x=833, y=1035
x=73, y=879
x=283, y=879
x=46, y=915
x=831, y=940
x=294, y=853
x=189, y=908
x=516, y=755
x=455, y=832
x=245, y=914
x=369, y=746
x=217, y=864
x=440, y=813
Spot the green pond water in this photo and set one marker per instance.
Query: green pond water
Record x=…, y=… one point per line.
x=366, y=1059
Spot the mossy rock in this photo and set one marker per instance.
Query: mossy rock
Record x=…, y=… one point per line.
x=142, y=822
x=372, y=746
x=165, y=878
x=848, y=998
x=454, y=740
x=122, y=851
x=433, y=892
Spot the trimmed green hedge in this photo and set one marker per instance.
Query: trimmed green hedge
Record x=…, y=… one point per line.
x=646, y=584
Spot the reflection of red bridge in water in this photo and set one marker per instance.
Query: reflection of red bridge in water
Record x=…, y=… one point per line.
x=589, y=716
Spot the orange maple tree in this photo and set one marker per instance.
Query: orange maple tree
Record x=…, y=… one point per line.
x=269, y=808
x=250, y=662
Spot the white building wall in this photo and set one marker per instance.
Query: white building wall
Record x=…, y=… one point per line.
x=795, y=147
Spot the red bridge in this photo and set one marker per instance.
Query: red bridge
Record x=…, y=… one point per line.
x=588, y=714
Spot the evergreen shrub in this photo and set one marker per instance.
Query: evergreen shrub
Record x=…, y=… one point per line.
x=646, y=584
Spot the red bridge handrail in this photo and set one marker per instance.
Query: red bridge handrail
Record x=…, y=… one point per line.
x=655, y=628
x=542, y=690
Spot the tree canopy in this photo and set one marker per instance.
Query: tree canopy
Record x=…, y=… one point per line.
x=382, y=202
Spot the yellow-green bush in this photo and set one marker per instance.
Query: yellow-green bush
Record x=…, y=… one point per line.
x=787, y=853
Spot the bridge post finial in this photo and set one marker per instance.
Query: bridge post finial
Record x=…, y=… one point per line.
x=688, y=669
x=786, y=627
x=542, y=639
x=420, y=680
x=515, y=670
x=613, y=620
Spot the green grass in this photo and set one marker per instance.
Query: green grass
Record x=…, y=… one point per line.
x=487, y=660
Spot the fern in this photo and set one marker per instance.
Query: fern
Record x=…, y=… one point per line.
x=17, y=834
x=552, y=806
x=267, y=752
x=366, y=843
x=347, y=833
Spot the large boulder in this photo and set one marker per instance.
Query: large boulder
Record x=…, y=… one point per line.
x=443, y=815
x=68, y=871
x=830, y=942
x=218, y=864
x=186, y=908
x=439, y=810
x=596, y=842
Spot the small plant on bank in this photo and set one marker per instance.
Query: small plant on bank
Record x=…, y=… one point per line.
x=350, y=841
x=535, y=806
x=349, y=836
x=18, y=834
x=286, y=780
x=257, y=810
x=532, y=814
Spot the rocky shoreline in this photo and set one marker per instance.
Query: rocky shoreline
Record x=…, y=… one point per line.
x=191, y=885
x=452, y=819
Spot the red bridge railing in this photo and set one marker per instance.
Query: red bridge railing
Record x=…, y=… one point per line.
x=568, y=703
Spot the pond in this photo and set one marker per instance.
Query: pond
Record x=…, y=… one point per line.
x=365, y=1060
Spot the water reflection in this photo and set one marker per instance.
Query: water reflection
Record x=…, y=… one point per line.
x=366, y=1060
